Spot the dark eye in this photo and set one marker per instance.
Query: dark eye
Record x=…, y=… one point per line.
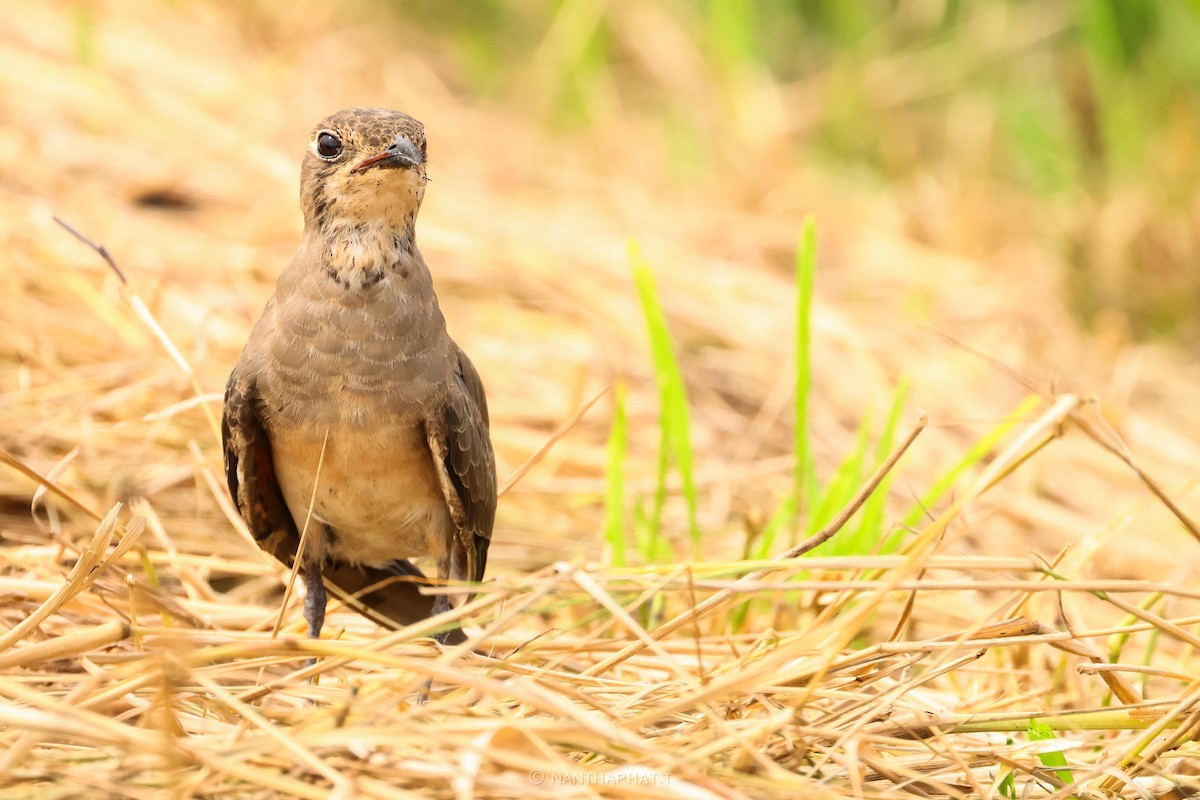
x=328, y=145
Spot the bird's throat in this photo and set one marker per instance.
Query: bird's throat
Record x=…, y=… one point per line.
x=359, y=255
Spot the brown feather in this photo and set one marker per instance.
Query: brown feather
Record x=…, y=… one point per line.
x=351, y=410
x=459, y=440
x=389, y=596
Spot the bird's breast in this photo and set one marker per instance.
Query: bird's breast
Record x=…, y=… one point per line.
x=374, y=487
x=349, y=370
x=354, y=357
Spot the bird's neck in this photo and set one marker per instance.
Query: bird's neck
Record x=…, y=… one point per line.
x=359, y=253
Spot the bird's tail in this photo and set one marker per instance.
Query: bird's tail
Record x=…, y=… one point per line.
x=389, y=596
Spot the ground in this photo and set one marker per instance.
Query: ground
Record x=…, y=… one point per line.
x=146, y=653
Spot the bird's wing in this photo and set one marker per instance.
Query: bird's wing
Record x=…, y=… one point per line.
x=462, y=452
x=250, y=469
x=387, y=595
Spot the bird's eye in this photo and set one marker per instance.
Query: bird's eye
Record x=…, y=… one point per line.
x=328, y=145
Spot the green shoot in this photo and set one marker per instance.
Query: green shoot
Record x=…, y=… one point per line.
x=674, y=418
x=871, y=530
x=806, y=267
x=614, y=474
x=1039, y=731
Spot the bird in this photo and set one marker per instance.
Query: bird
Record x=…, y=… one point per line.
x=353, y=424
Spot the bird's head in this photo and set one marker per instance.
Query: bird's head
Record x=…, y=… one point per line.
x=363, y=165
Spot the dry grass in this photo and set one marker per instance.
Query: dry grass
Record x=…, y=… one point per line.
x=138, y=659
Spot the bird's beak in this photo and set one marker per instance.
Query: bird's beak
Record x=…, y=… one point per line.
x=401, y=154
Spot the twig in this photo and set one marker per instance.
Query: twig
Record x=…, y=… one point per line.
x=143, y=313
x=558, y=434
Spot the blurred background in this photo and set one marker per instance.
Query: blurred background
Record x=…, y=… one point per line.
x=1005, y=197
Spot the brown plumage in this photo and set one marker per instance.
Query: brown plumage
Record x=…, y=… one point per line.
x=351, y=410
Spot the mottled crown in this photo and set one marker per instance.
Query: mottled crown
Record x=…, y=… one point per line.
x=370, y=129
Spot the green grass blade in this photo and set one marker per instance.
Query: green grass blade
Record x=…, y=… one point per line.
x=1039, y=731
x=674, y=417
x=804, y=480
x=837, y=494
x=806, y=268
x=764, y=549
x=614, y=474
x=781, y=519
x=871, y=531
x=1008, y=786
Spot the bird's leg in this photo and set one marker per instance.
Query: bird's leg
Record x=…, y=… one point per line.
x=442, y=604
x=314, y=595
